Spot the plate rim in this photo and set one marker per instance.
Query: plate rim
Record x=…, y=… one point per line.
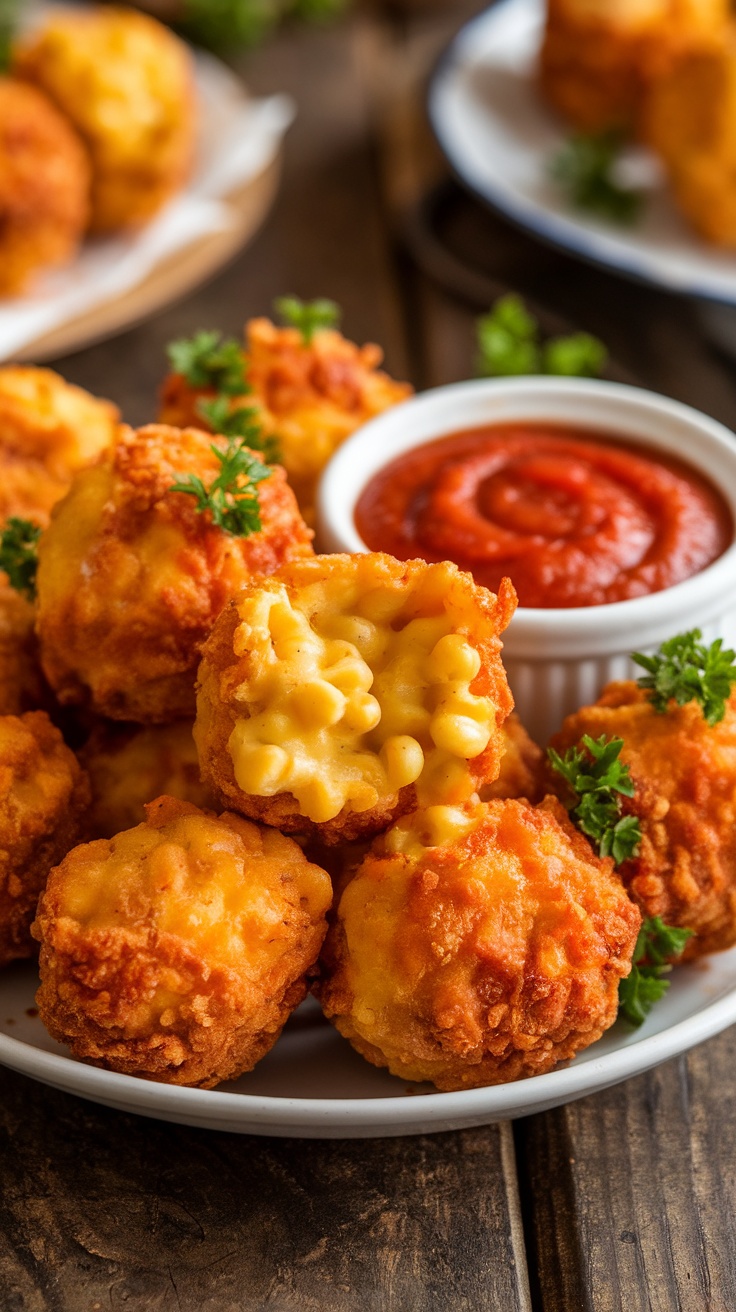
x=562, y=233
x=368, y=1117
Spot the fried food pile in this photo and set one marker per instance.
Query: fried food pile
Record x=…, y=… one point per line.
x=353, y=758
x=664, y=72
x=125, y=82
x=97, y=127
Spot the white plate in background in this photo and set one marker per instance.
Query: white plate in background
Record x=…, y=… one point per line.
x=500, y=138
x=313, y=1085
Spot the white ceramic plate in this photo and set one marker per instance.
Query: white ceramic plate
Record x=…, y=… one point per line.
x=500, y=137
x=312, y=1084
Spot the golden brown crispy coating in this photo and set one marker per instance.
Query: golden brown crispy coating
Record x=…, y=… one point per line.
x=310, y=396
x=688, y=120
x=49, y=429
x=522, y=765
x=44, y=186
x=126, y=84
x=22, y=686
x=489, y=957
x=43, y=792
x=684, y=776
x=600, y=56
x=334, y=694
x=131, y=577
x=178, y=950
x=131, y=764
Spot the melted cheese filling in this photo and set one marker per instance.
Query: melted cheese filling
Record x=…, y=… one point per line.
x=345, y=708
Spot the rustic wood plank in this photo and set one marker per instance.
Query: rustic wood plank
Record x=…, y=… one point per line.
x=99, y=1209
x=632, y=1193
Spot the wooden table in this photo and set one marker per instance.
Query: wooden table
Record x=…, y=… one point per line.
x=625, y=1200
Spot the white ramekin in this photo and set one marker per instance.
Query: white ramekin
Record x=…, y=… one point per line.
x=558, y=660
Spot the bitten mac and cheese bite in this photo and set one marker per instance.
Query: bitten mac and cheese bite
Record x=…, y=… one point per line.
x=131, y=577
x=479, y=945
x=335, y=695
x=178, y=950
x=43, y=792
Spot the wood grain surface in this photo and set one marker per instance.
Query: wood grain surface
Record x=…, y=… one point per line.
x=623, y=1202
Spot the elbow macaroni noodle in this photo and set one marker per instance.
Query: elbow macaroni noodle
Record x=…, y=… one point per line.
x=349, y=703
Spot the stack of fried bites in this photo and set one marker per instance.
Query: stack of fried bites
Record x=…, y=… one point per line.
x=662, y=71
x=350, y=715
x=97, y=125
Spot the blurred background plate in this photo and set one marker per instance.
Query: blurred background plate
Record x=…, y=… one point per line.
x=500, y=139
x=120, y=280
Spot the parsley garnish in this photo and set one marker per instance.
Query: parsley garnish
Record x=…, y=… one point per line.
x=684, y=670
x=210, y=360
x=240, y=422
x=656, y=945
x=9, y=15
x=307, y=316
x=18, y=554
x=585, y=170
x=509, y=345
x=232, y=497
x=598, y=778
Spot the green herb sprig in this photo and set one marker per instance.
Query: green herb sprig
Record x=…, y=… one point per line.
x=585, y=172
x=210, y=360
x=9, y=18
x=685, y=670
x=307, y=316
x=232, y=497
x=241, y=422
x=598, y=780
x=656, y=946
x=228, y=24
x=509, y=345
x=19, y=554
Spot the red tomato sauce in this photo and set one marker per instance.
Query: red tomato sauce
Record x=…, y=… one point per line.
x=573, y=518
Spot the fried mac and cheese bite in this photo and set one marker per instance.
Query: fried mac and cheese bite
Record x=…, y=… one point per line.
x=688, y=120
x=310, y=395
x=599, y=57
x=131, y=764
x=43, y=792
x=22, y=686
x=522, y=772
x=334, y=695
x=49, y=429
x=684, y=776
x=126, y=84
x=131, y=576
x=44, y=186
x=178, y=950
x=476, y=946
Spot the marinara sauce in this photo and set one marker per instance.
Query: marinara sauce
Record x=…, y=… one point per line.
x=573, y=518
